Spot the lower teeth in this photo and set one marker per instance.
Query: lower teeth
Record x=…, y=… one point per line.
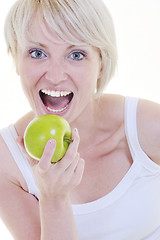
x=57, y=111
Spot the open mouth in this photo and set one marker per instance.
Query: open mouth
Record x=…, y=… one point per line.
x=56, y=101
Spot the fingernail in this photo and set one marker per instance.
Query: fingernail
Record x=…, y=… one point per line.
x=52, y=142
x=76, y=130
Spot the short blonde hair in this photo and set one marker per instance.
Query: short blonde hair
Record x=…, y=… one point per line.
x=75, y=21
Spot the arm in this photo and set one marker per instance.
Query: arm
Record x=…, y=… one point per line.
x=51, y=217
x=57, y=221
x=55, y=182
x=19, y=210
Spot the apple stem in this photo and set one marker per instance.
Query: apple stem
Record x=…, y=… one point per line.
x=68, y=140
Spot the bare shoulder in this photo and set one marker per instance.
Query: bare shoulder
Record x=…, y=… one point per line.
x=148, y=124
x=10, y=174
x=8, y=167
x=22, y=123
x=7, y=164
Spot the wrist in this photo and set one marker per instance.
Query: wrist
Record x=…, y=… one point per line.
x=56, y=200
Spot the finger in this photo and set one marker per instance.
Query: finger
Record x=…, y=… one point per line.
x=78, y=172
x=71, y=151
x=73, y=147
x=49, y=150
x=70, y=170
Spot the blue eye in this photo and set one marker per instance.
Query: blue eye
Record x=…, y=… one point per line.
x=77, y=55
x=38, y=54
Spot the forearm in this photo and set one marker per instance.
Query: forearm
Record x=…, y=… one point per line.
x=57, y=220
x=55, y=182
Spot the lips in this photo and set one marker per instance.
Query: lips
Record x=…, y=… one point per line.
x=56, y=101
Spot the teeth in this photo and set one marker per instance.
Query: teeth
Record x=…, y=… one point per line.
x=57, y=111
x=55, y=93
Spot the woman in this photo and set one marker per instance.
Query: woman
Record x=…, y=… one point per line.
x=107, y=186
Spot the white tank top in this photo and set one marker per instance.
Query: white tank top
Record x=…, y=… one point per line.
x=131, y=211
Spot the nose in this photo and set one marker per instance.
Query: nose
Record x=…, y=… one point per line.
x=56, y=72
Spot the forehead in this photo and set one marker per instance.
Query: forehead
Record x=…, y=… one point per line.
x=38, y=31
x=70, y=27
x=44, y=38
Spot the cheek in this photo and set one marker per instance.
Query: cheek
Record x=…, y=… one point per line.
x=28, y=75
x=89, y=77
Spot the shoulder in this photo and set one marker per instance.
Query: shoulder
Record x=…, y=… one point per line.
x=6, y=159
x=9, y=171
x=22, y=123
x=148, y=124
x=4, y=155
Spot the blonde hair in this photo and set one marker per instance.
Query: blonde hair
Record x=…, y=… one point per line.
x=75, y=21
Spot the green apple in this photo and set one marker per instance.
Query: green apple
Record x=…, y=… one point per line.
x=43, y=128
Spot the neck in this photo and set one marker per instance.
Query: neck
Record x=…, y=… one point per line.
x=86, y=124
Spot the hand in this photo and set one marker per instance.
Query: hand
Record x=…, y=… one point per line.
x=57, y=179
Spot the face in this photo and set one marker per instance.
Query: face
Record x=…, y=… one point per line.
x=57, y=77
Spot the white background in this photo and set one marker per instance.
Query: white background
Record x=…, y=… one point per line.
x=137, y=24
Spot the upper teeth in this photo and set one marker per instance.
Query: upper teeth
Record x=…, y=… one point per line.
x=55, y=93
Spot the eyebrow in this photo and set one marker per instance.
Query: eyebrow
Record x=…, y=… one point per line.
x=45, y=46
x=38, y=44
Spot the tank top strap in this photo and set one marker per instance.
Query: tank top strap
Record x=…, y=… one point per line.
x=131, y=124
x=9, y=136
x=132, y=135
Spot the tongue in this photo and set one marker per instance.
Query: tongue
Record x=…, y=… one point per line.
x=56, y=103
